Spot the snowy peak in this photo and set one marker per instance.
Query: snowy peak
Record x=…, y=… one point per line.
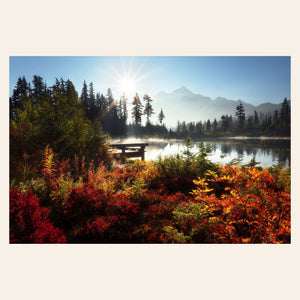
x=183, y=90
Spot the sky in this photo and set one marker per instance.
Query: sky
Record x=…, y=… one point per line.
x=252, y=79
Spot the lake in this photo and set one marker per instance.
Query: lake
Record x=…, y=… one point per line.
x=267, y=151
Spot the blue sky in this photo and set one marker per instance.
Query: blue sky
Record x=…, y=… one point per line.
x=253, y=79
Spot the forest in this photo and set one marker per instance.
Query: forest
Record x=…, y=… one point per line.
x=117, y=121
x=67, y=186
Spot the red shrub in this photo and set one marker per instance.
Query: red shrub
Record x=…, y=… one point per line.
x=83, y=203
x=29, y=222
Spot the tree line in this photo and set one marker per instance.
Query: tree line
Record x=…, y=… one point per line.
x=277, y=123
x=102, y=110
x=113, y=117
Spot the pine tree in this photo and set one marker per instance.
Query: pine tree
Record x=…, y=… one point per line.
x=148, y=110
x=224, y=123
x=111, y=119
x=21, y=90
x=199, y=128
x=285, y=117
x=137, y=110
x=214, y=125
x=285, y=112
x=256, y=120
x=161, y=117
x=101, y=105
x=92, y=110
x=208, y=126
x=39, y=89
x=84, y=98
x=241, y=117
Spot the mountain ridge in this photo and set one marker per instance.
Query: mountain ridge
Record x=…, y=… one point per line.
x=184, y=105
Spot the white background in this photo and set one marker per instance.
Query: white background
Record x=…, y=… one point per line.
x=149, y=28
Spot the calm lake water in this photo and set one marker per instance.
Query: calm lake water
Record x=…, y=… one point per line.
x=267, y=151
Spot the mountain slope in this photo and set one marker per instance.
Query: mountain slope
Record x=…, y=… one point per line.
x=182, y=104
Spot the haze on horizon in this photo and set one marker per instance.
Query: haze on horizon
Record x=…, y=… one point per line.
x=253, y=79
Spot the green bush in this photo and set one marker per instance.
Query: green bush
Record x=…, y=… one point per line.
x=178, y=171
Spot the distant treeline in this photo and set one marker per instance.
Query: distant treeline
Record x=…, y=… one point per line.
x=277, y=123
x=114, y=117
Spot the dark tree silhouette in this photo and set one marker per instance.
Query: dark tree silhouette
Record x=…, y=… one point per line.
x=148, y=110
x=137, y=110
x=241, y=116
x=161, y=117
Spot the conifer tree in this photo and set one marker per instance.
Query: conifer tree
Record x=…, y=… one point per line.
x=256, y=120
x=20, y=91
x=148, y=110
x=161, y=117
x=214, y=125
x=92, y=110
x=84, y=98
x=208, y=126
x=137, y=110
x=241, y=117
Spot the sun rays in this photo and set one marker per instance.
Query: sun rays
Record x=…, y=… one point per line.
x=127, y=79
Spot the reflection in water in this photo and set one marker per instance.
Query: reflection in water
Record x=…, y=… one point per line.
x=266, y=151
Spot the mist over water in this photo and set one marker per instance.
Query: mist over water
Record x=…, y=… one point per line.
x=267, y=151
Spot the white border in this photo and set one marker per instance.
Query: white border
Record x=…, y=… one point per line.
x=149, y=28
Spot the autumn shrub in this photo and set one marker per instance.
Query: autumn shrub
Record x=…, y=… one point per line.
x=251, y=209
x=29, y=221
x=157, y=214
x=183, y=199
x=177, y=172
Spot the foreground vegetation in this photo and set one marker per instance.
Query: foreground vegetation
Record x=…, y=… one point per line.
x=65, y=186
x=178, y=199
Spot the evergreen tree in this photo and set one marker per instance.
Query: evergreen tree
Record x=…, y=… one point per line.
x=285, y=118
x=101, y=105
x=70, y=91
x=199, y=128
x=56, y=120
x=39, y=89
x=224, y=123
x=161, y=117
x=111, y=120
x=214, y=125
x=285, y=113
x=241, y=117
x=208, y=126
x=84, y=98
x=21, y=90
x=92, y=109
x=137, y=110
x=191, y=127
x=148, y=110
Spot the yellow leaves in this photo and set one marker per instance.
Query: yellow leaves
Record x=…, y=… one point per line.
x=211, y=174
x=246, y=240
x=202, y=182
x=202, y=188
x=234, y=194
x=227, y=210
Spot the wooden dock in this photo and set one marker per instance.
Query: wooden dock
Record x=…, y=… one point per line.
x=131, y=150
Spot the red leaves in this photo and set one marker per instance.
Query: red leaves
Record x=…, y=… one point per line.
x=132, y=204
x=257, y=210
x=29, y=222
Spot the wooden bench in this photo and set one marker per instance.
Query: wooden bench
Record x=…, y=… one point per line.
x=131, y=150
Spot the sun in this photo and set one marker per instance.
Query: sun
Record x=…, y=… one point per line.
x=127, y=78
x=127, y=85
